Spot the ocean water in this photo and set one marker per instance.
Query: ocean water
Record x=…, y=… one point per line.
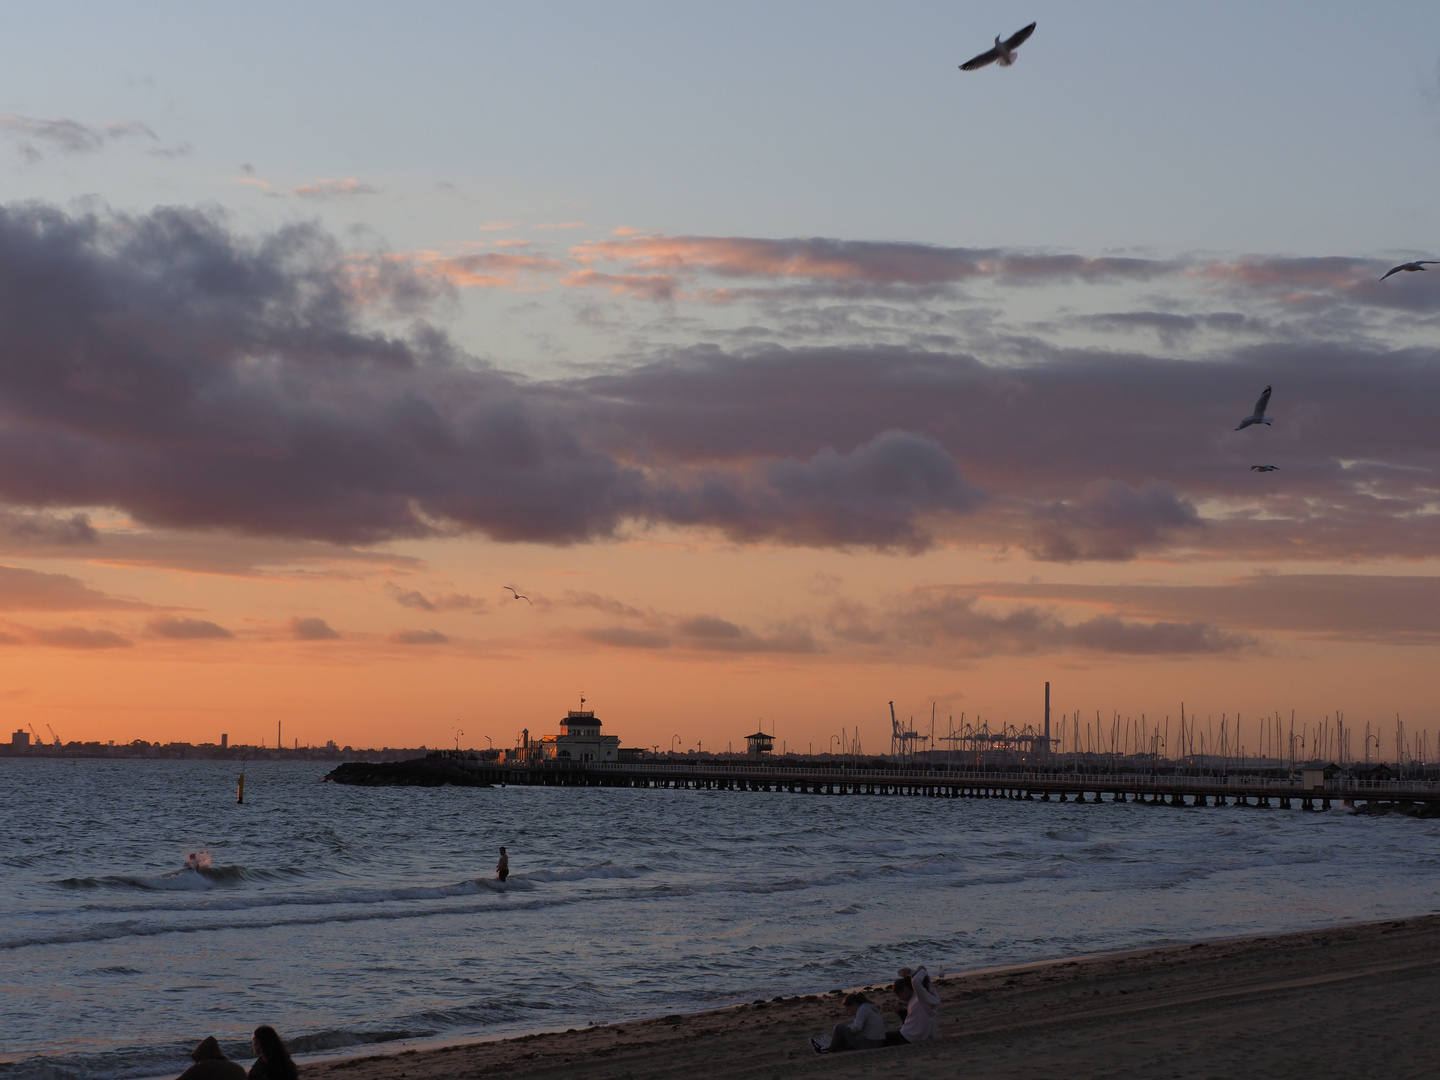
x=349, y=917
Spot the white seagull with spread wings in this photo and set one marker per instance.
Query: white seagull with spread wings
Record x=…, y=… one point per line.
x=520, y=595
x=1003, y=53
x=1411, y=267
x=1258, y=416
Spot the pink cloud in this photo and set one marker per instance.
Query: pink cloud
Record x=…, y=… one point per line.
x=335, y=189
x=1317, y=282
x=635, y=286
x=483, y=270
x=814, y=260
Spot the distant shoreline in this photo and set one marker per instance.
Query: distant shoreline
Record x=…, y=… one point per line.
x=1271, y=1003
x=239, y=754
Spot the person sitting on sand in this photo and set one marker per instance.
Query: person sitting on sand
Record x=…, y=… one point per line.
x=502, y=868
x=865, y=1031
x=272, y=1056
x=919, y=1007
x=212, y=1064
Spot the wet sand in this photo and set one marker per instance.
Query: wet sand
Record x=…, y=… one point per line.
x=1347, y=1002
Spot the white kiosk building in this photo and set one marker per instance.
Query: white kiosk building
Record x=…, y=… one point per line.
x=581, y=740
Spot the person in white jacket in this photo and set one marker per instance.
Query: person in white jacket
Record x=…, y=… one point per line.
x=916, y=991
x=865, y=1031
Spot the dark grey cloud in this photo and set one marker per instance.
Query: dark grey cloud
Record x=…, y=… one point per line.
x=948, y=617
x=1172, y=327
x=194, y=379
x=20, y=530
x=215, y=552
x=79, y=637
x=702, y=633
x=418, y=637
x=606, y=604
x=627, y=637
x=1108, y=634
x=311, y=629
x=1392, y=609
x=951, y=621
x=876, y=494
x=720, y=635
x=1110, y=521
x=1352, y=434
x=36, y=136
x=186, y=629
x=453, y=601
x=33, y=590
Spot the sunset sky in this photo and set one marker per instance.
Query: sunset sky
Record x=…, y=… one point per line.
x=788, y=369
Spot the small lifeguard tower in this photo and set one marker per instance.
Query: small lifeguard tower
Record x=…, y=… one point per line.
x=758, y=745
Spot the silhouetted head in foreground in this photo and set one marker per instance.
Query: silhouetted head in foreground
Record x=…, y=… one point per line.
x=272, y=1050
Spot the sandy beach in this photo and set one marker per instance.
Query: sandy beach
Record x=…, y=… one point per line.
x=1343, y=1002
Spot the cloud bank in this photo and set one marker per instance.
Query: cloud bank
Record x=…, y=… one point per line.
x=196, y=379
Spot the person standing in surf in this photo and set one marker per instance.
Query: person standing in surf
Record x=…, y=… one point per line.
x=502, y=868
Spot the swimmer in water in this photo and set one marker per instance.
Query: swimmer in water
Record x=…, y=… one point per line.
x=502, y=868
x=192, y=861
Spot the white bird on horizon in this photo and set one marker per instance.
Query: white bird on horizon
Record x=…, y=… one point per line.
x=1258, y=416
x=1003, y=53
x=1419, y=264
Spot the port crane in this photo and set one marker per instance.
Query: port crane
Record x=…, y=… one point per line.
x=903, y=738
x=38, y=741
x=55, y=738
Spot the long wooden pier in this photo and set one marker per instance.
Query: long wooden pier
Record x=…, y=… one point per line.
x=1159, y=789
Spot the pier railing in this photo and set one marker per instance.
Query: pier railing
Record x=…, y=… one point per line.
x=1033, y=777
x=840, y=779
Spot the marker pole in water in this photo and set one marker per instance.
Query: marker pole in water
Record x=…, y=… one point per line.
x=240, y=791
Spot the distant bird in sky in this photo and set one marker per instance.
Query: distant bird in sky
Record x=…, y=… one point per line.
x=1258, y=416
x=1003, y=53
x=1263, y=468
x=1410, y=266
x=522, y=596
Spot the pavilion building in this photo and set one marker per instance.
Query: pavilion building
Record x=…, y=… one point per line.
x=580, y=740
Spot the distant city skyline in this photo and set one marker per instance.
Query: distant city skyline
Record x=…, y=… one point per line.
x=784, y=368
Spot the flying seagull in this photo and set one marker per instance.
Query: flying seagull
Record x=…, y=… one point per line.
x=1258, y=416
x=1263, y=468
x=1003, y=52
x=522, y=596
x=1412, y=267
